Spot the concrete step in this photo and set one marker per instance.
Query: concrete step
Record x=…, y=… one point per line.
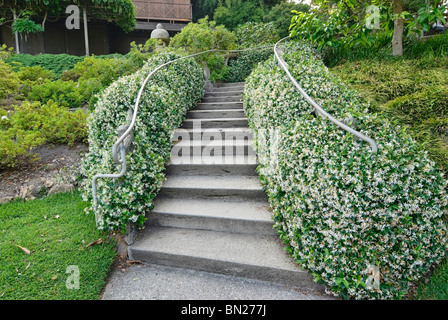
x=225, y=93
x=252, y=256
x=212, y=133
x=230, y=216
x=215, y=123
x=228, y=85
x=231, y=187
x=212, y=166
x=218, y=105
x=235, y=98
x=216, y=113
x=216, y=148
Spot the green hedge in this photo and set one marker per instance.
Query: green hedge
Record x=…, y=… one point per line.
x=170, y=93
x=346, y=214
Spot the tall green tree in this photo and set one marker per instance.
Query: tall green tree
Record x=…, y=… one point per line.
x=232, y=13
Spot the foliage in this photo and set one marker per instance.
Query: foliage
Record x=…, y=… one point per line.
x=26, y=26
x=427, y=15
x=55, y=244
x=170, y=93
x=31, y=124
x=413, y=92
x=9, y=81
x=203, y=8
x=218, y=69
x=255, y=34
x=6, y=52
x=241, y=67
x=206, y=35
x=232, y=13
x=65, y=93
x=281, y=14
x=57, y=63
x=348, y=216
x=202, y=36
x=120, y=12
x=251, y=34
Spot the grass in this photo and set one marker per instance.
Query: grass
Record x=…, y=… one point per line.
x=435, y=287
x=57, y=232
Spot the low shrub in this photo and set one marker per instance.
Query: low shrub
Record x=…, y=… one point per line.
x=31, y=124
x=241, y=67
x=65, y=93
x=365, y=225
x=9, y=81
x=57, y=63
x=168, y=95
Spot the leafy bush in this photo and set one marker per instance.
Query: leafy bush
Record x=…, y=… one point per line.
x=9, y=82
x=202, y=36
x=57, y=63
x=255, y=34
x=65, y=93
x=365, y=225
x=6, y=52
x=218, y=69
x=242, y=66
x=166, y=98
x=31, y=124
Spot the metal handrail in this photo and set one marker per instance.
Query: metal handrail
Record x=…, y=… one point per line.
x=119, y=144
x=317, y=107
x=119, y=147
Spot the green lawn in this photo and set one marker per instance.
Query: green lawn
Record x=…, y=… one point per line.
x=57, y=233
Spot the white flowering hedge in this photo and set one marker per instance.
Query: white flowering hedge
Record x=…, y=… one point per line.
x=170, y=93
x=365, y=225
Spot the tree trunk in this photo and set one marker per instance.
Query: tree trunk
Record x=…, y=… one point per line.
x=397, y=39
x=16, y=34
x=86, y=32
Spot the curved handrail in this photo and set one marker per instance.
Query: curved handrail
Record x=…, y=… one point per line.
x=342, y=125
x=119, y=144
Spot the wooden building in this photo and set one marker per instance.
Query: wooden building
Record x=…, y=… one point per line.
x=104, y=38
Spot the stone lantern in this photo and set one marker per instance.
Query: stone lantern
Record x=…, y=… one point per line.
x=160, y=33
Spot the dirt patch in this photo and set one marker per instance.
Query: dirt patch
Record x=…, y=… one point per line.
x=55, y=165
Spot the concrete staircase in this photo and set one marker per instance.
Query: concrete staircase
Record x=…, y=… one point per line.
x=211, y=214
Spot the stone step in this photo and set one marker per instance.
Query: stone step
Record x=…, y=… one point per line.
x=216, y=148
x=215, y=123
x=228, y=85
x=212, y=133
x=214, y=114
x=231, y=187
x=225, y=93
x=218, y=105
x=231, y=216
x=235, y=98
x=212, y=166
x=261, y=257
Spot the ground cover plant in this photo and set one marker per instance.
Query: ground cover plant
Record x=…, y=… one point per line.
x=367, y=226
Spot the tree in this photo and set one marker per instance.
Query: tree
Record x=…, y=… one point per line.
x=343, y=22
x=203, y=8
x=232, y=13
x=281, y=15
x=397, y=39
